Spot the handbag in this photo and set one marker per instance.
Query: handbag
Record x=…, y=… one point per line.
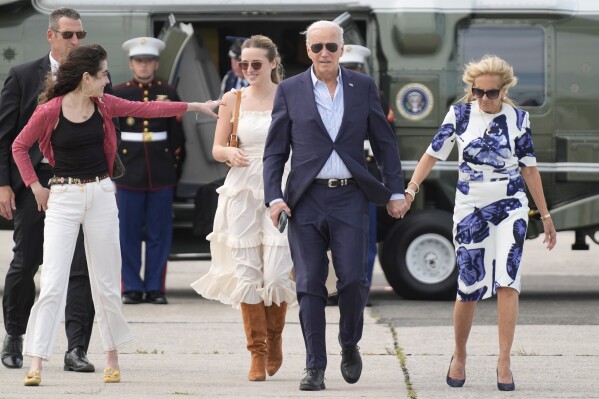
x=233, y=136
x=118, y=169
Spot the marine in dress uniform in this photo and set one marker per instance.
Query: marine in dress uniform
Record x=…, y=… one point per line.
x=149, y=149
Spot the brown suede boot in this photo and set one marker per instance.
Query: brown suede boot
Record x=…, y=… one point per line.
x=254, y=323
x=275, y=321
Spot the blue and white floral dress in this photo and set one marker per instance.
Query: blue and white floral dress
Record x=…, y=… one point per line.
x=491, y=208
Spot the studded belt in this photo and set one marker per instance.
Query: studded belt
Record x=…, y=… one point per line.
x=76, y=180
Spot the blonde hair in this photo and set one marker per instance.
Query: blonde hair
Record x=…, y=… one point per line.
x=272, y=53
x=489, y=65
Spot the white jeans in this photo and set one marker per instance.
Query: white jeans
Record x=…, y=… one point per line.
x=92, y=205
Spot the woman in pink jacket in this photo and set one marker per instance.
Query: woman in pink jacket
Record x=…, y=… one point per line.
x=74, y=129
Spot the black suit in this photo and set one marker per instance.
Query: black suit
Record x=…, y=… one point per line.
x=17, y=103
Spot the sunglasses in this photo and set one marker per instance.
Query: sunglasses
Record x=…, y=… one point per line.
x=491, y=94
x=69, y=35
x=256, y=65
x=331, y=47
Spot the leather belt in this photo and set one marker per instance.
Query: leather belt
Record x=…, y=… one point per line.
x=143, y=136
x=76, y=180
x=331, y=183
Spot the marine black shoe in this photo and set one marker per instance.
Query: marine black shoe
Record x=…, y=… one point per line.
x=132, y=297
x=156, y=298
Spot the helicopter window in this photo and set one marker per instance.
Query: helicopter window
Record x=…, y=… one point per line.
x=523, y=47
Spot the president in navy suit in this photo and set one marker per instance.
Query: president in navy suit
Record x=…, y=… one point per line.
x=321, y=118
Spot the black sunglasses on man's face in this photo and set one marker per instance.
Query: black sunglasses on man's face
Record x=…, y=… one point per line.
x=69, y=35
x=317, y=47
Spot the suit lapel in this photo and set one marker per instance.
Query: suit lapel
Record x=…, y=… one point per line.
x=43, y=71
x=348, y=99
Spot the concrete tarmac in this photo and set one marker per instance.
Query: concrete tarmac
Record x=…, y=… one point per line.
x=196, y=348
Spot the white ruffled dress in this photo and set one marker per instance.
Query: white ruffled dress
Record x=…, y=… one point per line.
x=251, y=261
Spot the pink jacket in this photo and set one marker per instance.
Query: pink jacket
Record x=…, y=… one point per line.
x=45, y=118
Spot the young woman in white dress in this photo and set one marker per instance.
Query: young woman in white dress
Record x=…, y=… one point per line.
x=251, y=262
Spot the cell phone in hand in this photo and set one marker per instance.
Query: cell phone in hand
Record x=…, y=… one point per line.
x=282, y=221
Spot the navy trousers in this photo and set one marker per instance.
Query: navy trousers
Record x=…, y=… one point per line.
x=152, y=210
x=335, y=218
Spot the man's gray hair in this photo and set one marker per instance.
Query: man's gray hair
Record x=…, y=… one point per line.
x=59, y=13
x=324, y=24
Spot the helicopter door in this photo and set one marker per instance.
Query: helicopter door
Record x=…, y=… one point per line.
x=187, y=66
x=351, y=33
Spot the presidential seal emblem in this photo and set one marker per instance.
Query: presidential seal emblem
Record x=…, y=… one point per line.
x=414, y=101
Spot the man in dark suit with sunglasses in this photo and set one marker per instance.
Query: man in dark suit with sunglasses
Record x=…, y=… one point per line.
x=17, y=103
x=322, y=117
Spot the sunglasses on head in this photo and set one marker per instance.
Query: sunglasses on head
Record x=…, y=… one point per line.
x=317, y=47
x=491, y=94
x=256, y=65
x=69, y=35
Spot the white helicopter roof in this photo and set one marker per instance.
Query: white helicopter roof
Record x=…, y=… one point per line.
x=259, y=6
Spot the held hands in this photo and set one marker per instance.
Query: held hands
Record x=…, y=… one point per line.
x=550, y=234
x=276, y=209
x=41, y=194
x=205, y=107
x=7, y=202
x=398, y=208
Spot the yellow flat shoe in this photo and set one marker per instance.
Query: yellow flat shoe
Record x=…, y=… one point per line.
x=33, y=378
x=112, y=375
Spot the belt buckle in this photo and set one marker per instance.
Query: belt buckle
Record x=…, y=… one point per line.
x=332, y=183
x=147, y=136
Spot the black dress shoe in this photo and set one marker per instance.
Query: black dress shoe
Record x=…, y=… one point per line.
x=12, y=351
x=506, y=386
x=156, y=298
x=313, y=381
x=132, y=297
x=351, y=364
x=76, y=360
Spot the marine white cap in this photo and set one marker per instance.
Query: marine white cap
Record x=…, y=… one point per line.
x=144, y=47
x=354, y=54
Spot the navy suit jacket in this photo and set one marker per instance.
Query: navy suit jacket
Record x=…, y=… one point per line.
x=296, y=125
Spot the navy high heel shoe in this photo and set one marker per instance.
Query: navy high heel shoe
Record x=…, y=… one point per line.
x=454, y=382
x=509, y=386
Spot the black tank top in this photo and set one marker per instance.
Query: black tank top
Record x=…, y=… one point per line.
x=79, y=147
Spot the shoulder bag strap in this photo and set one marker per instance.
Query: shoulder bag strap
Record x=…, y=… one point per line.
x=233, y=138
